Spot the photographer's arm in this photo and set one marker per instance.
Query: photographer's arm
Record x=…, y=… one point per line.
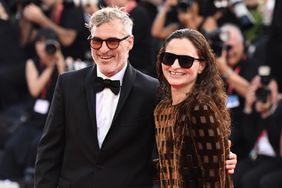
x=35, y=15
x=35, y=81
x=27, y=33
x=239, y=83
x=250, y=98
x=159, y=30
x=60, y=61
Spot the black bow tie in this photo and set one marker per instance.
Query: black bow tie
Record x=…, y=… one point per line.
x=100, y=84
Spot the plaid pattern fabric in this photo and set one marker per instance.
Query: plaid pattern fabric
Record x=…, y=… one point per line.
x=192, y=156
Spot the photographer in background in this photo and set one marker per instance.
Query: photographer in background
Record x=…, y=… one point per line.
x=189, y=14
x=232, y=11
x=233, y=62
x=237, y=70
x=64, y=18
x=41, y=74
x=262, y=125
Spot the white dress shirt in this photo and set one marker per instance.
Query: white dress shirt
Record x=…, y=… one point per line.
x=264, y=147
x=106, y=104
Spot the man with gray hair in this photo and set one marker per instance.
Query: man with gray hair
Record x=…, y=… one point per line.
x=99, y=132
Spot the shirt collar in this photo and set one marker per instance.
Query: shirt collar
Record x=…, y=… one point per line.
x=118, y=76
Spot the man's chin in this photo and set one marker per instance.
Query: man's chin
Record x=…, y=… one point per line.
x=107, y=71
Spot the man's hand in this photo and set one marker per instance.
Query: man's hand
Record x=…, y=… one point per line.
x=231, y=163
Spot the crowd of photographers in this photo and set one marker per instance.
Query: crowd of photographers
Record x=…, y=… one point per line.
x=40, y=39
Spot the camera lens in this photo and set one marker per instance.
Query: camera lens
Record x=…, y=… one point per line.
x=262, y=93
x=51, y=47
x=217, y=48
x=216, y=40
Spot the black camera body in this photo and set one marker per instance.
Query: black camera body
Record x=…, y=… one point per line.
x=216, y=39
x=51, y=46
x=263, y=92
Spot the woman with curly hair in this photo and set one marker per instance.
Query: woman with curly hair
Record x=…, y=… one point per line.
x=192, y=121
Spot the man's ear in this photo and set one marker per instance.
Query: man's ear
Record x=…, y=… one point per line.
x=131, y=42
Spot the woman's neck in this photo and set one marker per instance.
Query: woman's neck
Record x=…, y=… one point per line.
x=179, y=94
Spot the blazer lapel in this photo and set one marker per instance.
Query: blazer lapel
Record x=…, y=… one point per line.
x=126, y=87
x=91, y=101
x=127, y=84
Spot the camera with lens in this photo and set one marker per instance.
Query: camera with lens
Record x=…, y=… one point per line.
x=240, y=10
x=51, y=46
x=263, y=91
x=216, y=39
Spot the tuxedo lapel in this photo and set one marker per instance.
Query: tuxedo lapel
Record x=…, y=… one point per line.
x=127, y=84
x=126, y=87
x=91, y=101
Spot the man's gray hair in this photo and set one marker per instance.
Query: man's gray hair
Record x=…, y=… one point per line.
x=108, y=14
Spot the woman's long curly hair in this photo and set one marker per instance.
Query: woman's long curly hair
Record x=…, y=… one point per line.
x=208, y=85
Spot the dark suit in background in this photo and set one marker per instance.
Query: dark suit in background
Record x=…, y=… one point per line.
x=274, y=46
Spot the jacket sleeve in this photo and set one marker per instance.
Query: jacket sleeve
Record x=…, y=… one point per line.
x=51, y=146
x=211, y=146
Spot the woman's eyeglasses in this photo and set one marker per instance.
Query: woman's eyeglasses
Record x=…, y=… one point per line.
x=112, y=43
x=185, y=61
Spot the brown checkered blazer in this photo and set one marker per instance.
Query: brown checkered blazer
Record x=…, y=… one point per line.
x=192, y=156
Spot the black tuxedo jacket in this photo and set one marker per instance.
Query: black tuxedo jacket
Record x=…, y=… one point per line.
x=253, y=125
x=68, y=153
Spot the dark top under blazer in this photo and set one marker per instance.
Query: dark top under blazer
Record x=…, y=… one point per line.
x=68, y=153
